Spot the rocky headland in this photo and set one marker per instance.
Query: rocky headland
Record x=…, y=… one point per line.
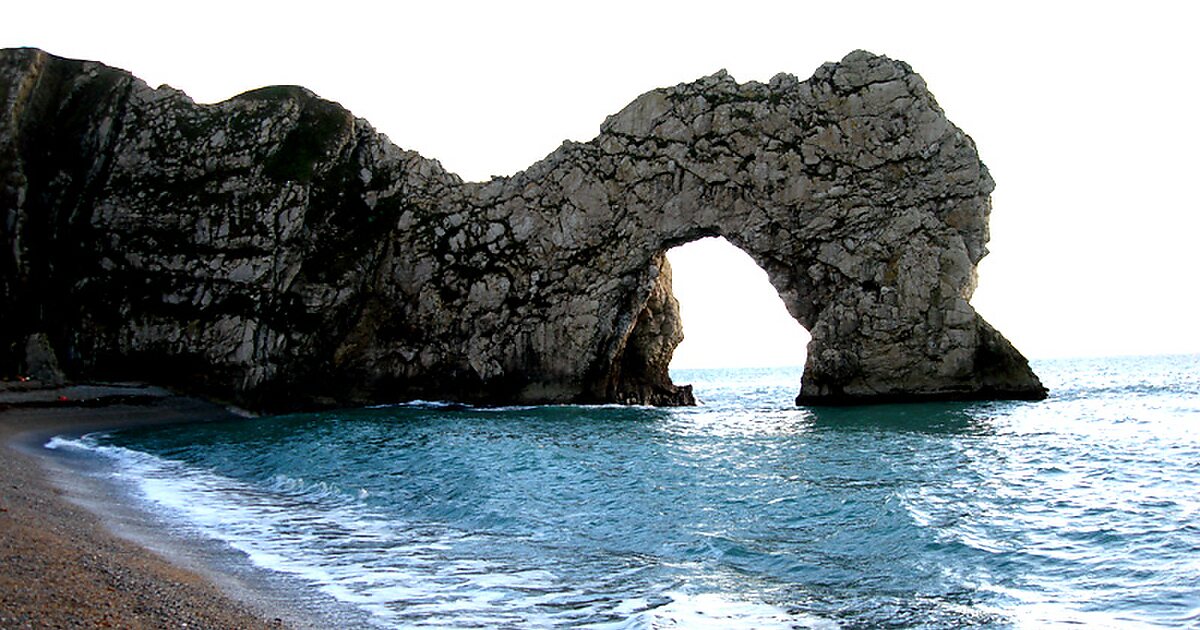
x=276, y=251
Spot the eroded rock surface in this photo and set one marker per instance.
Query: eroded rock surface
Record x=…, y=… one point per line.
x=277, y=250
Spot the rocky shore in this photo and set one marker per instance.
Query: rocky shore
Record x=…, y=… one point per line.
x=61, y=565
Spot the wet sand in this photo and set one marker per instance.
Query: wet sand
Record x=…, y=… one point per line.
x=61, y=564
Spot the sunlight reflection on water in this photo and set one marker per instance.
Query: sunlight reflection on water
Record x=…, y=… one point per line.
x=743, y=512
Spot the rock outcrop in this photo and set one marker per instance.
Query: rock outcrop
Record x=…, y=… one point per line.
x=277, y=250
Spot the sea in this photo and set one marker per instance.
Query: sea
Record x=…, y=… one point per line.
x=746, y=511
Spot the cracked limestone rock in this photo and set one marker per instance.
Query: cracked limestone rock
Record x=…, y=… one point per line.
x=275, y=250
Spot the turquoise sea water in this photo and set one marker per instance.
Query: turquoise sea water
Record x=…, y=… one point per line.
x=745, y=512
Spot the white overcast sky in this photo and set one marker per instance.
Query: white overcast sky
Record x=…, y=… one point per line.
x=1086, y=114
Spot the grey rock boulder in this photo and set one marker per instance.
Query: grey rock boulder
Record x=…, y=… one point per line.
x=40, y=363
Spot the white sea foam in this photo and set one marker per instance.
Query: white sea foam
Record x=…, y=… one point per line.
x=420, y=404
x=446, y=404
x=83, y=443
x=1077, y=511
x=303, y=528
x=709, y=610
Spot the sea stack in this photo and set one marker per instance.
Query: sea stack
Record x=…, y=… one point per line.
x=276, y=251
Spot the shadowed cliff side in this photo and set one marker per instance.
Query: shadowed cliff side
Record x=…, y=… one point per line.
x=276, y=250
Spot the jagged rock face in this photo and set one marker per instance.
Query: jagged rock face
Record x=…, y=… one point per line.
x=275, y=249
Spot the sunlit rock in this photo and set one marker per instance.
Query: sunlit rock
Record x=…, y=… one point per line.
x=277, y=250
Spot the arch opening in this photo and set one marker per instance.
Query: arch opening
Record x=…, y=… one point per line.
x=732, y=316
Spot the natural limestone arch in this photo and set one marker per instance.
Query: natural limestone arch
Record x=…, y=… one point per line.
x=865, y=206
x=311, y=261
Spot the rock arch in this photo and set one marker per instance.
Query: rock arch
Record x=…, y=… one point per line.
x=276, y=249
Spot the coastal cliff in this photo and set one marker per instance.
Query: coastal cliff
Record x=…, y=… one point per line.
x=274, y=250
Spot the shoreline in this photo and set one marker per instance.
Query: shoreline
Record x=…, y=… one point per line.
x=76, y=551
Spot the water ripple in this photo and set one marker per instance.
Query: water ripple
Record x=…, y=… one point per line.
x=745, y=512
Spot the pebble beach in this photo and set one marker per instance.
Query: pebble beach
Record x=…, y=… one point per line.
x=61, y=566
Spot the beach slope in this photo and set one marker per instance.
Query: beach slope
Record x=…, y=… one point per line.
x=61, y=565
